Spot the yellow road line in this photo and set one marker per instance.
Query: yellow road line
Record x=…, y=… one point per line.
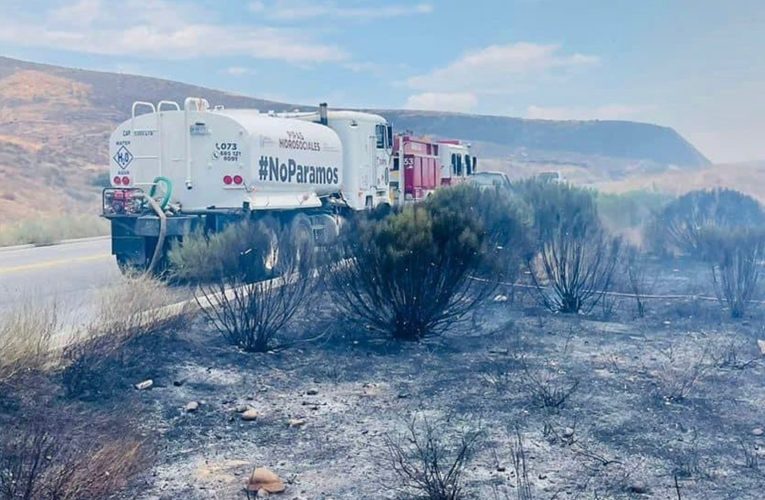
x=52, y=263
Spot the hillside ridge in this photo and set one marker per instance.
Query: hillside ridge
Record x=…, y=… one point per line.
x=55, y=123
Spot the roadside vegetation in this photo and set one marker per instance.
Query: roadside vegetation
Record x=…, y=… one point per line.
x=48, y=451
x=51, y=230
x=26, y=338
x=420, y=270
x=482, y=344
x=627, y=214
x=575, y=258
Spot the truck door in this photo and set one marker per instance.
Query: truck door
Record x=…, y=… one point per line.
x=383, y=156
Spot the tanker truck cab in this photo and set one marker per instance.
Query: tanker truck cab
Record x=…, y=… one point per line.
x=367, y=157
x=367, y=141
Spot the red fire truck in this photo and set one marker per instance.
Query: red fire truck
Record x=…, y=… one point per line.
x=416, y=170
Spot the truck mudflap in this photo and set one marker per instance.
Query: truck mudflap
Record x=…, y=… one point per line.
x=134, y=238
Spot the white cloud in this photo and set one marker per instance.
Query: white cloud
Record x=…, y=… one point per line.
x=500, y=69
x=442, y=101
x=239, y=71
x=161, y=29
x=609, y=112
x=294, y=10
x=81, y=13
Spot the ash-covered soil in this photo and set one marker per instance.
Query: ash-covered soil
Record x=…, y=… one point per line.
x=658, y=406
x=606, y=405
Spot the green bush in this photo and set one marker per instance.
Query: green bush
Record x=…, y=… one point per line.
x=678, y=228
x=631, y=210
x=502, y=226
x=200, y=257
x=574, y=260
x=414, y=272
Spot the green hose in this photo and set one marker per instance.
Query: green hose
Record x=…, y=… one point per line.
x=168, y=190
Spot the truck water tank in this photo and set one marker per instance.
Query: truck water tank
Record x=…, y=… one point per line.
x=224, y=157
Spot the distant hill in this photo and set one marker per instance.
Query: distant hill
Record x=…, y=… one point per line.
x=618, y=139
x=55, y=123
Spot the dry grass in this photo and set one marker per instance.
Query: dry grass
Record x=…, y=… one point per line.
x=133, y=309
x=26, y=335
x=137, y=306
x=104, y=471
x=51, y=230
x=36, y=464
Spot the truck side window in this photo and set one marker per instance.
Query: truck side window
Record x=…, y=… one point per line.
x=380, y=132
x=468, y=166
x=389, y=131
x=454, y=164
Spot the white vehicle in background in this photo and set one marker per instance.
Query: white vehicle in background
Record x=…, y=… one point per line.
x=175, y=169
x=551, y=176
x=488, y=179
x=457, y=163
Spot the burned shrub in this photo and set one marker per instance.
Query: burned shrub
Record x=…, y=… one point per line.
x=734, y=256
x=251, y=314
x=549, y=387
x=413, y=273
x=520, y=466
x=575, y=259
x=679, y=227
x=682, y=367
x=427, y=463
x=638, y=283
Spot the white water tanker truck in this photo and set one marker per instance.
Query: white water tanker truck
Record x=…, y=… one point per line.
x=175, y=169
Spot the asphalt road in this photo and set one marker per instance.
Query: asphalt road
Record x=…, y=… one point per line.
x=69, y=274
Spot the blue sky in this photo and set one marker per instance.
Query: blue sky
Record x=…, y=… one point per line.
x=696, y=65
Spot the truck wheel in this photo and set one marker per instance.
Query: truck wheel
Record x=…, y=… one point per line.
x=272, y=229
x=130, y=267
x=301, y=235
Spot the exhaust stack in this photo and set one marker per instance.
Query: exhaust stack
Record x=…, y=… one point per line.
x=323, y=113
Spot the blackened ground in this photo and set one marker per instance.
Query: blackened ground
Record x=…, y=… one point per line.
x=661, y=403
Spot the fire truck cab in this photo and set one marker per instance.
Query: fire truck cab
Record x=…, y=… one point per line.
x=456, y=162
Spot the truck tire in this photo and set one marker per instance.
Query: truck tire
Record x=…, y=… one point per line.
x=273, y=230
x=130, y=267
x=301, y=234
